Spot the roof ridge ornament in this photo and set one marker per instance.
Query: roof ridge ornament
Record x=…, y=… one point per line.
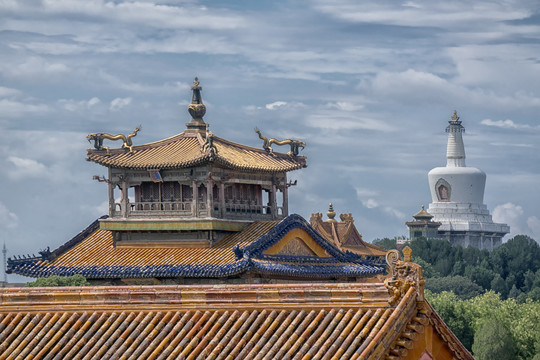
x=403, y=275
x=196, y=109
x=98, y=138
x=331, y=214
x=208, y=147
x=267, y=144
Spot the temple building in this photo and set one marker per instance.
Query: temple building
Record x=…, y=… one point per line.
x=196, y=208
x=200, y=259
x=457, y=193
x=423, y=226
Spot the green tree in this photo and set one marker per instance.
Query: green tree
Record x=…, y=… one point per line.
x=453, y=311
x=427, y=269
x=386, y=243
x=461, y=286
x=499, y=286
x=493, y=340
x=480, y=275
x=75, y=280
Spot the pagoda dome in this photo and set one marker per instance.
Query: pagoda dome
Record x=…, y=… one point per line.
x=457, y=184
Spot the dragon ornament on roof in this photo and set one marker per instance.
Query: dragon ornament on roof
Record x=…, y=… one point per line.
x=98, y=138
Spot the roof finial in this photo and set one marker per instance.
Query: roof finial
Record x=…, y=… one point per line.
x=196, y=108
x=331, y=214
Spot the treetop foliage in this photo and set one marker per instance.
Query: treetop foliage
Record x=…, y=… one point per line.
x=55, y=280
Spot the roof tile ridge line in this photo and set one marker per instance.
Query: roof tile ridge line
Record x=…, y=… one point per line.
x=165, y=141
x=399, y=310
x=89, y=230
x=232, y=143
x=442, y=329
x=318, y=226
x=283, y=227
x=335, y=235
x=289, y=167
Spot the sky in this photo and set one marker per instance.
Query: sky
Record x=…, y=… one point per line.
x=368, y=85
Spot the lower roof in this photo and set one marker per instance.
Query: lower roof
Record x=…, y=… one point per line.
x=94, y=255
x=301, y=321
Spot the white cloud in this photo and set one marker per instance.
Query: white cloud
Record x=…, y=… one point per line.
x=345, y=106
x=394, y=212
x=5, y=92
x=506, y=124
x=370, y=203
x=119, y=103
x=34, y=67
x=275, y=105
x=510, y=214
x=12, y=108
x=26, y=168
x=341, y=121
x=74, y=105
x=93, y=101
x=7, y=218
x=362, y=192
x=431, y=14
x=411, y=4
x=143, y=13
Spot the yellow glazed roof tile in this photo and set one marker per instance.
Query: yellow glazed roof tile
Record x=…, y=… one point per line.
x=186, y=151
x=294, y=321
x=98, y=250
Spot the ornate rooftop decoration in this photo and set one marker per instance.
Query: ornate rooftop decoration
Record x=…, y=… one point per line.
x=98, y=138
x=331, y=213
x=290, y=248
x=454, y=120
x=196, y=109
x=343, y=233
x=294, y=144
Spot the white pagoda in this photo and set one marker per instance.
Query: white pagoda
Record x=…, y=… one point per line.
x=457, y=193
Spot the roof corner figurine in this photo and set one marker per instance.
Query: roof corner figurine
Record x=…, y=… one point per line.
x=98, y=138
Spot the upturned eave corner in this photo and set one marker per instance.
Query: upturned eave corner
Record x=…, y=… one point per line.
x=403, y=275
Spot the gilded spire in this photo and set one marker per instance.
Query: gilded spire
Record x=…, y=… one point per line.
x=196, y=109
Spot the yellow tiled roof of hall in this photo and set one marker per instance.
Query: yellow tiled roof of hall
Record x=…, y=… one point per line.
x=281, y=321
x=186, y=150
x=340, y=232
x=98, y=250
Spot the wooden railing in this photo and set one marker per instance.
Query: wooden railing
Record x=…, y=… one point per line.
x=231, y=209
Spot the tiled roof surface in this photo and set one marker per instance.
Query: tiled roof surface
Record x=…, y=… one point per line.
x=339, y=232
x=186, y=151
x=305, y=321
x=95, y=257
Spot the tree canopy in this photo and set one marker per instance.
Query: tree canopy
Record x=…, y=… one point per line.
x=75, y=280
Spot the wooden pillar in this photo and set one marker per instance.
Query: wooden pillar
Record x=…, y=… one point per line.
x=273, y=203
x=285, y=200
x=125, y=200
x=210, y=197
x=195, y=210
x=222, y=199
x=111, y=198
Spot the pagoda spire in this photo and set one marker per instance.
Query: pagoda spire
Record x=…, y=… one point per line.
x=196, y=109
x=455, y=150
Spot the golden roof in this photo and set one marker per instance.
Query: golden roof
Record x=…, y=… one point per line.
x=344, y=234
x=422, y=214
x=279, y=321
x=188, y=149
x=98, y=250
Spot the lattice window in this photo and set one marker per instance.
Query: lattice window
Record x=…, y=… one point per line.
x=187, y=193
